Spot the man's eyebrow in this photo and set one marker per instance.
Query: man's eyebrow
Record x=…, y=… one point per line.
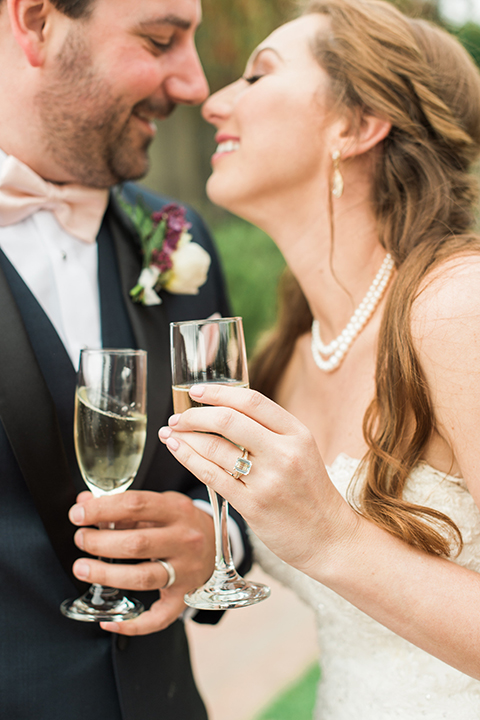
x=174, y=20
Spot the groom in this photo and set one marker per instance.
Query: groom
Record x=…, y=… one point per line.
x=81, y=83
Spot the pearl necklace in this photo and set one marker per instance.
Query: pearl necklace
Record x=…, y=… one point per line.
x=336, y=350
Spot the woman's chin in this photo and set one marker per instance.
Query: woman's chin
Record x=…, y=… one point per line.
x=230, y=196
x=221, y=195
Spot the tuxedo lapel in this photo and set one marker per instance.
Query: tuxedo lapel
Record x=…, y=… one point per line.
x=29, y=418
x=150, y=326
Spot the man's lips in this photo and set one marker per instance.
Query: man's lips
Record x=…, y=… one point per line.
x=148, y=113
x=146, y=120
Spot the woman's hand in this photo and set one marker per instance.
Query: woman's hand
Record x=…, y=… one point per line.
x=287, y=497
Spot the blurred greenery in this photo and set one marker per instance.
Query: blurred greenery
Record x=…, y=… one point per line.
x=252, y=265
x=297, y=702
x=231, y=30
x=469, y=36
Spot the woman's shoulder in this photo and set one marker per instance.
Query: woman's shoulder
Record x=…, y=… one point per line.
x=449, y=293
x=445, y=328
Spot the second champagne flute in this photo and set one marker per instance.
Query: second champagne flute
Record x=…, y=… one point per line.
x=213, y=351
x=109, y=431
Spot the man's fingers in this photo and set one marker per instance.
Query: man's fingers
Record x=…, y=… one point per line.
x=139, y=577
x=161, y=614
x=140, y=543
x=133, y=506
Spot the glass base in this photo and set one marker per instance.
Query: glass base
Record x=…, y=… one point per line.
x=101, y=604
x=224, y=591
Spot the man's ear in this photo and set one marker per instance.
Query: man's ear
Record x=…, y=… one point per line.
x=28, y=19
x=363, y=134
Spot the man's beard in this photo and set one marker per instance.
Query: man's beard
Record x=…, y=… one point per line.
x=86, y=130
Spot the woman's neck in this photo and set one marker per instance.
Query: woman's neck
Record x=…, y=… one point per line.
x=334, y=279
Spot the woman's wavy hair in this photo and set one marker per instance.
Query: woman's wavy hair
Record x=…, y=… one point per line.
x=422, y=80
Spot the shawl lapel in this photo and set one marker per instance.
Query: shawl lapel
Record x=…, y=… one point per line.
x=151, y=329
x=25, y=403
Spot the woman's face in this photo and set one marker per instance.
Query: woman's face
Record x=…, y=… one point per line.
x=274, y=133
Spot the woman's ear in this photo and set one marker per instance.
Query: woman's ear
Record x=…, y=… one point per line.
x=28, y=19
x=363, y=134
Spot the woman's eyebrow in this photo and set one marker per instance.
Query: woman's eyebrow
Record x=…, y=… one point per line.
x=262, y=49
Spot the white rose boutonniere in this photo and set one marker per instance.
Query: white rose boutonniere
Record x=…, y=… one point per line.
x=171, y=261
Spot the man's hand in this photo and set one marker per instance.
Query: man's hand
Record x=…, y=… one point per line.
x=148, y=525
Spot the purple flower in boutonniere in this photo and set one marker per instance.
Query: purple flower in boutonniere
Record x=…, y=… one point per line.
x=171, y=261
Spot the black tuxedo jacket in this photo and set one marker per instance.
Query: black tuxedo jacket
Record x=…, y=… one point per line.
x=53, y=668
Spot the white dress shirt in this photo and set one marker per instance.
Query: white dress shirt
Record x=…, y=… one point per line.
x=61, y=272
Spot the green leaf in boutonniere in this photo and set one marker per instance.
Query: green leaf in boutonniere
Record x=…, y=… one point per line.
x=170, y=260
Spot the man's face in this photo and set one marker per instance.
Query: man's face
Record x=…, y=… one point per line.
x=129, y=62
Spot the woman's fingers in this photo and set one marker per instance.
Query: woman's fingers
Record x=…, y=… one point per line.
x=238, y=424
x=248, y=402
x=211, y=472
x=214, y=447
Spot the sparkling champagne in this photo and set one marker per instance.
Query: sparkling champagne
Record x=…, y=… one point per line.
x=109, y=446
x=182, y=400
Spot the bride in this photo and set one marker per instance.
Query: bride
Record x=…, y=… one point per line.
x=349, y=140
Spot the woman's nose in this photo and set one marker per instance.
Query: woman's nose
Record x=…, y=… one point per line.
x=218, y=107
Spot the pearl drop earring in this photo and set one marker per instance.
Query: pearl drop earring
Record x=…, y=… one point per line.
x=337, y=182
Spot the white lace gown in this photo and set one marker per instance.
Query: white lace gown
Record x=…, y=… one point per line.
x=368, y=672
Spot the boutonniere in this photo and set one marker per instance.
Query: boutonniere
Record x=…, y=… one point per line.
x=171, y=261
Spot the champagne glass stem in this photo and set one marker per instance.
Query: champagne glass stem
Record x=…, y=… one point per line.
x=213, y=350
x=223, y=553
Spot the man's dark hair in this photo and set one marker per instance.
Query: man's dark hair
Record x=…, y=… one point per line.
x=72, y=8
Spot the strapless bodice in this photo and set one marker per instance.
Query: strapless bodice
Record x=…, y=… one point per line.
x=368, y=672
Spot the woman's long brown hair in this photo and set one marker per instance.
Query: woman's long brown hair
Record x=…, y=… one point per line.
x=421, y=79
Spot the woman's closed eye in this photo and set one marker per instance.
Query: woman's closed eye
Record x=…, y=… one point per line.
x=250, y=79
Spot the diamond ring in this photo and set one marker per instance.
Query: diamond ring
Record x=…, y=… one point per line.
x=242, y=466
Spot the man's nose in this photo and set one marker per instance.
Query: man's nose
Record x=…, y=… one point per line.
x=188, y=86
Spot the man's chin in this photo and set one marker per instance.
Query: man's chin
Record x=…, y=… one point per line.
x=128, y=170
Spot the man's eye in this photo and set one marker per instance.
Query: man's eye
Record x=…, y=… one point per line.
x=161, y=45
x=252, y=78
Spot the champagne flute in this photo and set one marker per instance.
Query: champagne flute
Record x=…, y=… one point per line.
x=213, y=351
x=109, y=431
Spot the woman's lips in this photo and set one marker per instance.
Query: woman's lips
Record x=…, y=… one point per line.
x=225, y=147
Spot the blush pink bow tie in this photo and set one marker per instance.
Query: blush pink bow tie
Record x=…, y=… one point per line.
x=78, y=209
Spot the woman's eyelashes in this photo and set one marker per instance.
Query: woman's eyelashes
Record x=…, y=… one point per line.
x=250, y=79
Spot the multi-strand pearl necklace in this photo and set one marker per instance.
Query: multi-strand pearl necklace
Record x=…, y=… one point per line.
x=335, y=351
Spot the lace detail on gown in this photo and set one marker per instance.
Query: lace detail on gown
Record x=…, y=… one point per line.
x=368, y=672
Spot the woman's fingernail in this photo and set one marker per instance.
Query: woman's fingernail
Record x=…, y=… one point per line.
x=79, y=541
x=77, y=514
x=81, y=570
x=173, y=420
x=172, y=444
x=197, y=390
x=164, y=433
